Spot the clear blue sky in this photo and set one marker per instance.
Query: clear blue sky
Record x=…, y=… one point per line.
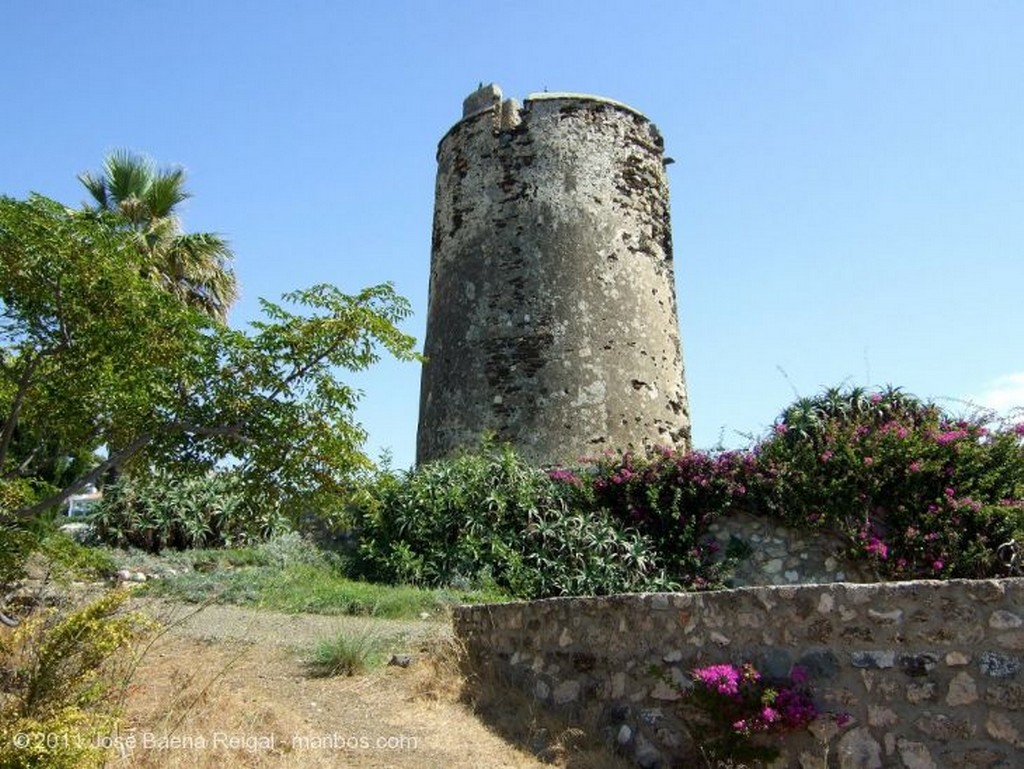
x=847, y=201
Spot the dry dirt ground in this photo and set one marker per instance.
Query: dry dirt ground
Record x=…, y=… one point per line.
x=226, y=686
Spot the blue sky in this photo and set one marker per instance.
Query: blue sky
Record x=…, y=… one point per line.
x=847, y=197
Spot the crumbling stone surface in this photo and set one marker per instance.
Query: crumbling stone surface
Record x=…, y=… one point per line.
x=552, y=319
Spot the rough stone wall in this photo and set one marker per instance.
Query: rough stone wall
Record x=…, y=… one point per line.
x=931, y=673
x=552, y=313
x=779, y=555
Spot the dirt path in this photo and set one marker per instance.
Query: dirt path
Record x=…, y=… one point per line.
x=227, y=686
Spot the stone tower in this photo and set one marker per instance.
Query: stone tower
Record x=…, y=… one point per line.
x=552, y=312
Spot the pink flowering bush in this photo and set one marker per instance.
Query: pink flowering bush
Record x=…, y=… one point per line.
x=918, y=492
x=671, y=499
x=915, y=491
x=734, y=711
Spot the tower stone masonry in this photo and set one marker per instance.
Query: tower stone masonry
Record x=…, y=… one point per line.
x=552, y=318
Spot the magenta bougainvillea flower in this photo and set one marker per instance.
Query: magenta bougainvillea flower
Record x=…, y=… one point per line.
x=724, y=679
x=739, y=704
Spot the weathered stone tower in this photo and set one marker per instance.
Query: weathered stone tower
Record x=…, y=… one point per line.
x=552, y=312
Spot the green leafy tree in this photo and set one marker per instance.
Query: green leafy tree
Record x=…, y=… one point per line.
x=196, y=267
x=94, y=354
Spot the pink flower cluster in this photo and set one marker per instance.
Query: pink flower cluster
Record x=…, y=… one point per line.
x=795, y=708
x=565, y=476
x=875, y=546
x=725, y=679
x=949, y=436
x=894, y=428
x=750, y=705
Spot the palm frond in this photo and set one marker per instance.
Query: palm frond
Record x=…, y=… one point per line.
x=128, y=175
x=166, y=191
x=194, y=267
x=199, y=264
x=97, y=187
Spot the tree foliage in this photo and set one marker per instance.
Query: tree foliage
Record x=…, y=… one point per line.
x=94, y=354
x=143, y=201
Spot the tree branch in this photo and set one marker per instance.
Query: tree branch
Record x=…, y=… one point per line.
x=58, y=297
x=221, y=431
x=114, y=460
x=302, y=369
x=19, y=399
x=22, y=470
x=118, y=458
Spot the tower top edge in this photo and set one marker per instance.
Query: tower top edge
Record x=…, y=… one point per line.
x=487, y=101
x=570, y=96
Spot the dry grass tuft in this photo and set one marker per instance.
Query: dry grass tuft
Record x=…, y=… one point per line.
x=200, y=704
x=438, y=675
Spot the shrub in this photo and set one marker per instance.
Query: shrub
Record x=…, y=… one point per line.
x=161, y=510
x=18, y=492
x=60, y=675
x=58, y=556
x=573, y=552
x=671, y=498
x=491, y=519
x=19, y=537
x=68, y=560
x=290, y=548
x=920, y=493
x=17, y=541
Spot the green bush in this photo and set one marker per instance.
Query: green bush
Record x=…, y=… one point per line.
x=68, y=560
x=572, y=552
x=56, y=556
x=18, y=537
x=491, y=519
x=17, y=541
x=161, y=510
x=918, y=492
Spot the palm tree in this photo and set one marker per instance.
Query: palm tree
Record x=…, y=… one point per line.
x=194, y=266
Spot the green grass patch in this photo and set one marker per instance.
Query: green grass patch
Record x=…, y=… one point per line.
x=310, y=588
x=314, y=590
x=241, y=587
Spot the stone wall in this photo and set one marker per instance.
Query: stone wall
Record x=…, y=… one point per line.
x=930, y=673
x=770, y=553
